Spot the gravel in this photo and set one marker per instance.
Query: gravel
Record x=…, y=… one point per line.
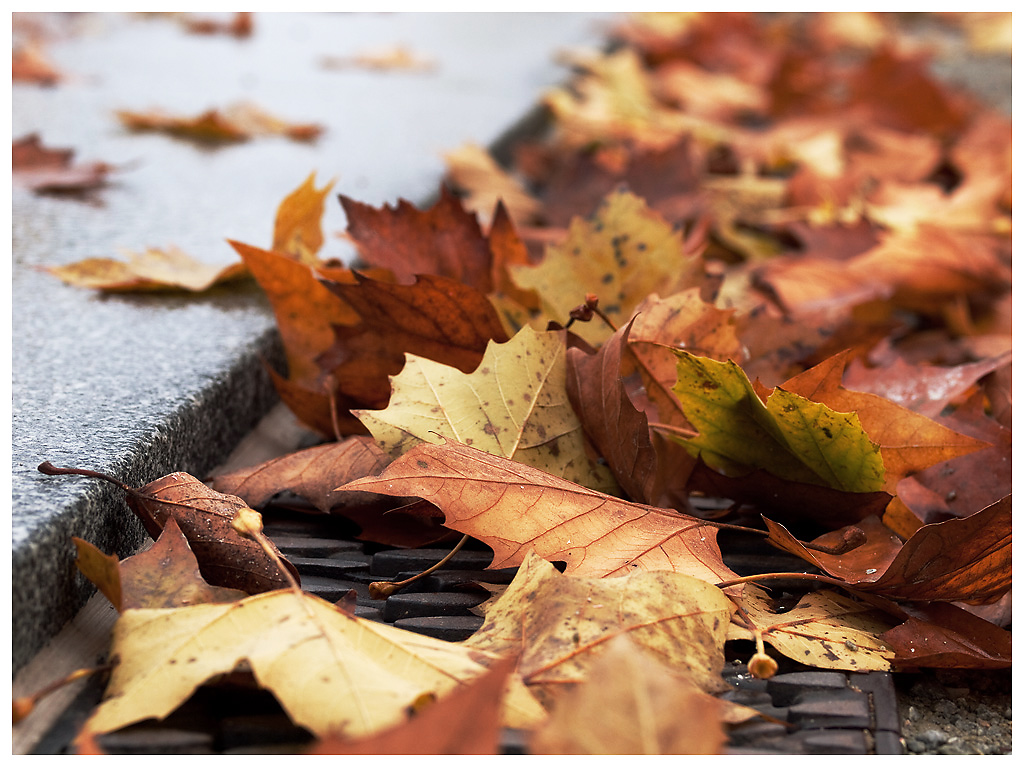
x=955, y=711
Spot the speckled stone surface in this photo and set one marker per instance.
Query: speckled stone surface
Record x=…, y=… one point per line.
x=139, y=386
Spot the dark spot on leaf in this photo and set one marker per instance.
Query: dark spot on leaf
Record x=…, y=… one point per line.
x=422, y=464
x=489, y=428
x=827, y=431
x=609, y=277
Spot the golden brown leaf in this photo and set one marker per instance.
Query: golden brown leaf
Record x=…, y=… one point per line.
x=297, y=231
x=516, y=509
x=631, y=703
x=151, y=270
x=333, y=673
x=312, y=473
x=559, y=625
x=514, y=405
x=238, y=122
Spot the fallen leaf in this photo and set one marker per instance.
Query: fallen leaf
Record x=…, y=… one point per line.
x=164, y=575
x=787, y=435
x=472, y=169
x=682, y=321
x=240, y=26
x=956, y=560
x=238, y=122
x=467, y=721
x=306, y=311
x=151, y=270
x=312, y=473
x=297, y=231
x=925, y=389
x=443, y=240
x=204, y=516
x=46, y=170
x=825, y=630
x=560, y=625
x=30, y=64
x=397, y=57
x=621, y=254
x=332, y=672
x=513, y=405
x=616, y=428
x=942, y=635
x=908, y=442
x=436, y=317
x=514, y=509
x=631, y=703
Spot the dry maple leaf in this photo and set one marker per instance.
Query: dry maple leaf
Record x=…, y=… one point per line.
x=965, y=559
x=467, y=721
x=908, y=442
x=151, y=270
x=304, y=308
x=513, y=405
x=237, y=122
x=397, y=57
x=333, y=673
x=825, y=629
x=313, y=473
x=942, y=635
x=631, y=703
x=515, y=509
x=472, y=169
x=443, y=240
x=436, y=317
x=622, y=254
x=297, y=230
x=204, y=516
x=30, y=64
x=559, y=625
x=46, y=170
x=164, y=575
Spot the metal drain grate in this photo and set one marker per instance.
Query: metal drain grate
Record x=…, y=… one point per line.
x=811, y=711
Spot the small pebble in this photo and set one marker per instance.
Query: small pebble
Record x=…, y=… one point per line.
x=933, y=738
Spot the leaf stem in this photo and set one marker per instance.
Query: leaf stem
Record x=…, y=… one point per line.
x=780, y=576
x=679, y=431
x=22, y=707
x=50, y=470
x=384, y=589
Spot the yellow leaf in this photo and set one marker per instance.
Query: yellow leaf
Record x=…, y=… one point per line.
x=559, y=624
x=621, y=254
x=514, y=405
x=824, y=630
x=332, y=672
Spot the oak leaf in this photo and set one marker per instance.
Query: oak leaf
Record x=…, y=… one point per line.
x=787, y=435
x=622, y=253
x=559, y=625
x=164, y=575
x=151, y=270
x=515, y=509
x=514, y=405
x=908, y=442
x=332, y=672
x=631, y=703
x=825, y=629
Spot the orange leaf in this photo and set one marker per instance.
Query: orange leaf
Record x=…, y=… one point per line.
x=297, y=231
x=515, y=509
